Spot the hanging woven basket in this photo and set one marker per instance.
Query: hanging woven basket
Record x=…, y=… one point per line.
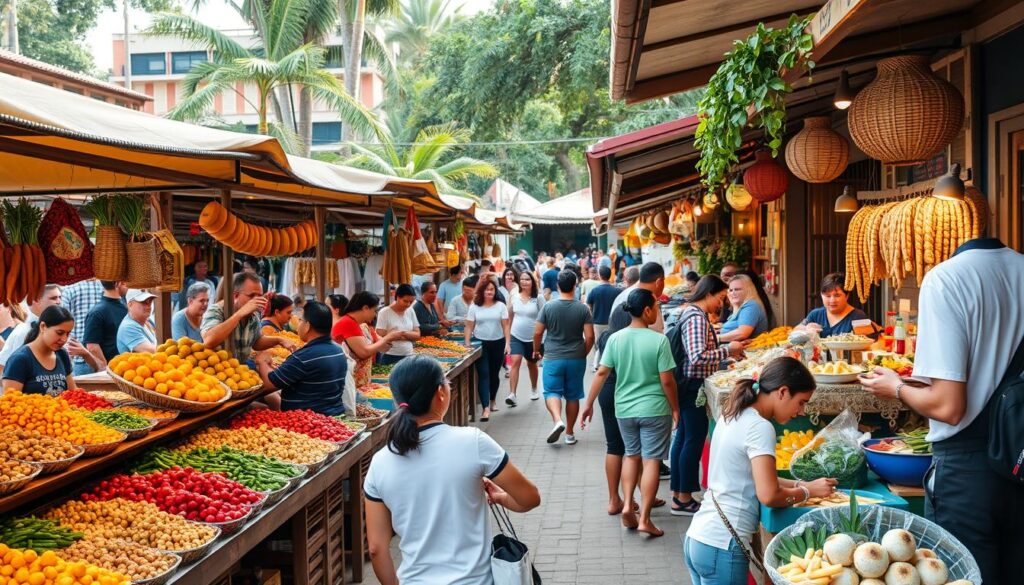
x=817, y=154
x=143, y=270
x=766, y=180
x=907, y=114
x=109, y=260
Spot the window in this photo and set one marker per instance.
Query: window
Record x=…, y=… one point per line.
x=183, y=62
x=77, y=90
x=252, y=128
x=149, y=64
x=326, y=133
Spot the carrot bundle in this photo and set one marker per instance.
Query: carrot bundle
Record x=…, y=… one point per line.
x=22, y=258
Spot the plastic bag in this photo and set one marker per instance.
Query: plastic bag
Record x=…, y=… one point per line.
x=834, y=452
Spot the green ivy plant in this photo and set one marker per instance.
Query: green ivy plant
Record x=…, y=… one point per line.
x=750, y=76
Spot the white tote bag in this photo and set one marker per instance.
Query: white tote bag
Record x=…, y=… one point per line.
x=348, y=397
x=510, y=558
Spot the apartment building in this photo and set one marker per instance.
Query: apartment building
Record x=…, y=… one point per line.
x=158, y=65
x=40, y=72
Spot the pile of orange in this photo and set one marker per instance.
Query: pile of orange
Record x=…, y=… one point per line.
x=26, y=566
x=52, y=417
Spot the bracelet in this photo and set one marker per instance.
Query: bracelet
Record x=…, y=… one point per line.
x=898, y=388
x=797, y=484
x=807, y=493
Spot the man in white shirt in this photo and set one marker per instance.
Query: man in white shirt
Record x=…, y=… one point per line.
x=970, y=323
x=458, y=307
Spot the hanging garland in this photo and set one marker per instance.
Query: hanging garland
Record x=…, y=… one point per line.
x=750, y=76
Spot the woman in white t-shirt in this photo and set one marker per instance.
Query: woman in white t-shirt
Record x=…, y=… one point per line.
x=431, y=487
x=743, y=472
x=525, y=305
x=399, y=316
x=487, y=322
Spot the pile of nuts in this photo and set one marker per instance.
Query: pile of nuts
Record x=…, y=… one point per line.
x=13, y=470
x=263, y=440
x=139, y=522
x=33, y=446
x=124, y=557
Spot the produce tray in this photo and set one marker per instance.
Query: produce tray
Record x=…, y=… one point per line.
x=846, y=345
x=836, y=378
x=372, y=422
x=102, y=448
x=231, y=526
x=194, y=554
x=247, y=392
x=161, y=401
x=9, y=487
x=59, y=465
x=162, y=577
x=258, y=506
x=275, y=496
x=777, y=519
x=160, y=422
x=134, y=434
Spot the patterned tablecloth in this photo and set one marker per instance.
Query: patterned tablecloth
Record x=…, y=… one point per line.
x=828, y=400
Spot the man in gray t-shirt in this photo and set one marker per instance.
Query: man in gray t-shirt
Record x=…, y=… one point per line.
x=570, y=335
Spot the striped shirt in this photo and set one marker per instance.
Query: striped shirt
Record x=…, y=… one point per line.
x=703, y=354
x=79, y=298
x=313, y=378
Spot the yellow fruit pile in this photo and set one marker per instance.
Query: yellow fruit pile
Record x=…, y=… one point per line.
x=770, y=339
x=185, y=369
x=268, y=330
x=18, y=566
x=378, y=392
x=789, y=443
x=52, y=417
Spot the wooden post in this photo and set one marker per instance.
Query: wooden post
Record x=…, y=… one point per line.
x=163, y=309
x=320, y=219
x=228, y=278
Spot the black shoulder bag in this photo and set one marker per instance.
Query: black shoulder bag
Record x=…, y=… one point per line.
x=1006, y=422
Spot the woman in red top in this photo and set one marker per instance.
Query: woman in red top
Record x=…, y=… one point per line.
x=352, y=331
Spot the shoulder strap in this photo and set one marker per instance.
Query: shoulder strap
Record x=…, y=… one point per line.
x=751, y=557
x=1016, y=367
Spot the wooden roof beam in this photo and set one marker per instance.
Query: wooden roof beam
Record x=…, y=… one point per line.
x=750, y=24
x=833, y=23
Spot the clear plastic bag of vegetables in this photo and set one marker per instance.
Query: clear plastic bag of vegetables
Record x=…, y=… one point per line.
x=835, y=452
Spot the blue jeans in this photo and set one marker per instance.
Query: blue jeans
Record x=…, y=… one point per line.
x=81, y=369
x=710, y=565
x=688, y=445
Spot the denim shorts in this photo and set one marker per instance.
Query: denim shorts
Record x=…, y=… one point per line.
x=647, y=436
x=520, y=347
x=564, y=378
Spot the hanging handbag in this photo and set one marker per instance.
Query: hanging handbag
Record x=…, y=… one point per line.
x=510, y=558
x=1006, y=422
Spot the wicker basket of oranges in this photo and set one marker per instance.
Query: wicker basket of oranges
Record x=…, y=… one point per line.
x=182, y=375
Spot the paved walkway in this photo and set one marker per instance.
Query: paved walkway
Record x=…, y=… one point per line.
x=571, y=535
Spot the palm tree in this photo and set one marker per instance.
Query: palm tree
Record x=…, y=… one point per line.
x=282, y=58
x=354, y=37
x=424, y=159
x=417, y=22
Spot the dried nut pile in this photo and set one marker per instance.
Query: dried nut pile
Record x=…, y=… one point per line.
x=139, y=522
x=33, y=446
x=121, y=556
x=264, y=440
x=12, y=470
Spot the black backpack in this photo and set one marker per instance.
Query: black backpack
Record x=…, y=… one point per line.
x=1006, y=422
x=675, y=343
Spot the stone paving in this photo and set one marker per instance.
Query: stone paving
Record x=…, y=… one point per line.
x=573, y=539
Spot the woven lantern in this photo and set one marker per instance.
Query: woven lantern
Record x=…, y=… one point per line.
x=907, y=114
x=766, y=180
x=817, y=154
x=738, y=197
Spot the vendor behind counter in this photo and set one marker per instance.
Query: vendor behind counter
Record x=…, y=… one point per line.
x=836, y=316
x=314, y=376
x=42, y=365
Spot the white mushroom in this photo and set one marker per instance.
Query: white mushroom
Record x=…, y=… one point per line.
x=901, y=573
x=839, y=549
x=899, y=544
x=932, y=571
x=847, y=577
x=924, y=553
x=870, y=560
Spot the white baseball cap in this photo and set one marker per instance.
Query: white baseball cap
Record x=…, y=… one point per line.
x=138, y=295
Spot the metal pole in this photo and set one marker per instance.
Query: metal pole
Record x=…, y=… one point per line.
x=127, y=50
x=228, y=279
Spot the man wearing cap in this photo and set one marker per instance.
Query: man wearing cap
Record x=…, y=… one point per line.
x=136, y=332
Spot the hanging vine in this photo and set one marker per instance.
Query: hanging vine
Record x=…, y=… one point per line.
x=750, y=76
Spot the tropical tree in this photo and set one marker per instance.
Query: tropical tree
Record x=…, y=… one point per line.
x=354, y=37
x=429, y=157
x=281, y=59
x=418, y=21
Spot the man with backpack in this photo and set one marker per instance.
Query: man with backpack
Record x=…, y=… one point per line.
x=970, y=328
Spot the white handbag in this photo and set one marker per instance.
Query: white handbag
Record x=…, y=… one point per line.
x=510, y=558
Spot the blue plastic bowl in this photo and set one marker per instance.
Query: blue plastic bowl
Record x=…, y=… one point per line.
x=383, y=403
x=898, y=468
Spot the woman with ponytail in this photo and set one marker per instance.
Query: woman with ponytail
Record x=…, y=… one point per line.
x=42, y=365
x=743, y=473
x=431, y=486
x=645, y=404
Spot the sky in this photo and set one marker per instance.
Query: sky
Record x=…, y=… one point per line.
x=100, y=39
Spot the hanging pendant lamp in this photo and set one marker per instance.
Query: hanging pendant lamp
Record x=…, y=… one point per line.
x=738, y=197
x=817, y=154
x=907, y=114
x=766, y=179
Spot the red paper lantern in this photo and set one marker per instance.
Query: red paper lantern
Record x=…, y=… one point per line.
x=766, y=180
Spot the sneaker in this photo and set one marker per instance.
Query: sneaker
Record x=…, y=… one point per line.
x=511, y=400
x=664, y=471
x=688, y=509
x=534, y=394
x=556, y=432
x=570, y=440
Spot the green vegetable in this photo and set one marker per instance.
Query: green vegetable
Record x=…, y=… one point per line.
x=381, y=370
x=119, y=419
x=915, y=439
x=255, y=472
x=832, y=459
x=36, y=533
x=852, y=523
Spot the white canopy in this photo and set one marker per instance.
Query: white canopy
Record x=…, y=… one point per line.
x=574, y=208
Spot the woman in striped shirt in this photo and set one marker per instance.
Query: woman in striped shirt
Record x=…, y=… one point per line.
x=698, y=353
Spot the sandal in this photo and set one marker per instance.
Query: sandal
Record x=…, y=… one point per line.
x=684, y=508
